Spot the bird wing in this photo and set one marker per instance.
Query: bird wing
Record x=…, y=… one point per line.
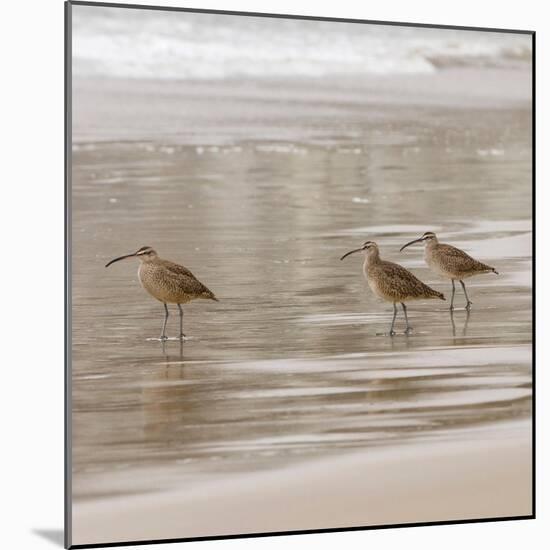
x=404, y=282
x=457, y=260
x=178, y=270
x=182, y=278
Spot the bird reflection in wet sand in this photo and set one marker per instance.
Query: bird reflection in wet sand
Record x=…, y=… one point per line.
x=168, y=282
x=166, y=401
x=392, y=282
x=165, y=351
x=465, y=326
x=450, y=262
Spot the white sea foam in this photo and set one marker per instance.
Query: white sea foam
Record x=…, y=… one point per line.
x=168, y=45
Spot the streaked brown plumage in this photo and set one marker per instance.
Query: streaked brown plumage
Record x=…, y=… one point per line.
x=171, y=283
x=450, y=262
x=392, y=282
x=168, y=282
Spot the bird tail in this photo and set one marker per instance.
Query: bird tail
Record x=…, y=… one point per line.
x=429, y=292
x=436, y=294
x=494, y=271
x=209, y=295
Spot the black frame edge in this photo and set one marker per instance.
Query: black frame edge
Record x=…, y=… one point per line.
x=291, y=16
x=67, y=270
x=534, y=277
x=304, y=532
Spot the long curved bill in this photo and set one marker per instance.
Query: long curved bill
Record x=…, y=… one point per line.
x=351, y=252
x=120, y=258
x=409, y=244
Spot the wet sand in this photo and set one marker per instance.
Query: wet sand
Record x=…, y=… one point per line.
x=487, y=477
x=290, y=381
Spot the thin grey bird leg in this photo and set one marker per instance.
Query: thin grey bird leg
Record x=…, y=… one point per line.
x=453, y=296
x=392, y=332
x=409, y=328
x=163, y=335
x=468, y=303
x=181, y=322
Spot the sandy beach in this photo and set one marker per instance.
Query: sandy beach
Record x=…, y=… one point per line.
x=289, y=407
x=483, y=478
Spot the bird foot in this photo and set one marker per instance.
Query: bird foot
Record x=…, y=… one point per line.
x=468, y=306
x=408, y=330
x=452, y=308
x=183, y=338
x=392, y=332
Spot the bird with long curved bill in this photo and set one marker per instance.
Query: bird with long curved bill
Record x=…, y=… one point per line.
x=450, y=262
x=168, y=282
x=392, y=282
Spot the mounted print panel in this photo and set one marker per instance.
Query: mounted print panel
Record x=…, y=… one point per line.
x=300, y=274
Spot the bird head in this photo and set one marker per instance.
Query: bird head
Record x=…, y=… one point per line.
x=369, y=247
x=145, y=254
x=427, y=238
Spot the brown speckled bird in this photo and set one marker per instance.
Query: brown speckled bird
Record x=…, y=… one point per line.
x=451, y=263
x=168, y=282
x=392, y=282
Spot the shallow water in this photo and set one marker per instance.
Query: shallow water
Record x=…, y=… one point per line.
x=294, y=360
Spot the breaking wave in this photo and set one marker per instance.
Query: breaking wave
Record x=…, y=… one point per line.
x=129, y=43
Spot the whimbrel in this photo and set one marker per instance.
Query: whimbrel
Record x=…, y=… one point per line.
x=451, y=263
x=392, y=282
x=168, y=282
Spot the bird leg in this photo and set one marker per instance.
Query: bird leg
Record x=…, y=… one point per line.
x=163, y=335
x=408, y=330
x=182, y=336
x=453, y=295
x=392, y=332
x=468, y=303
